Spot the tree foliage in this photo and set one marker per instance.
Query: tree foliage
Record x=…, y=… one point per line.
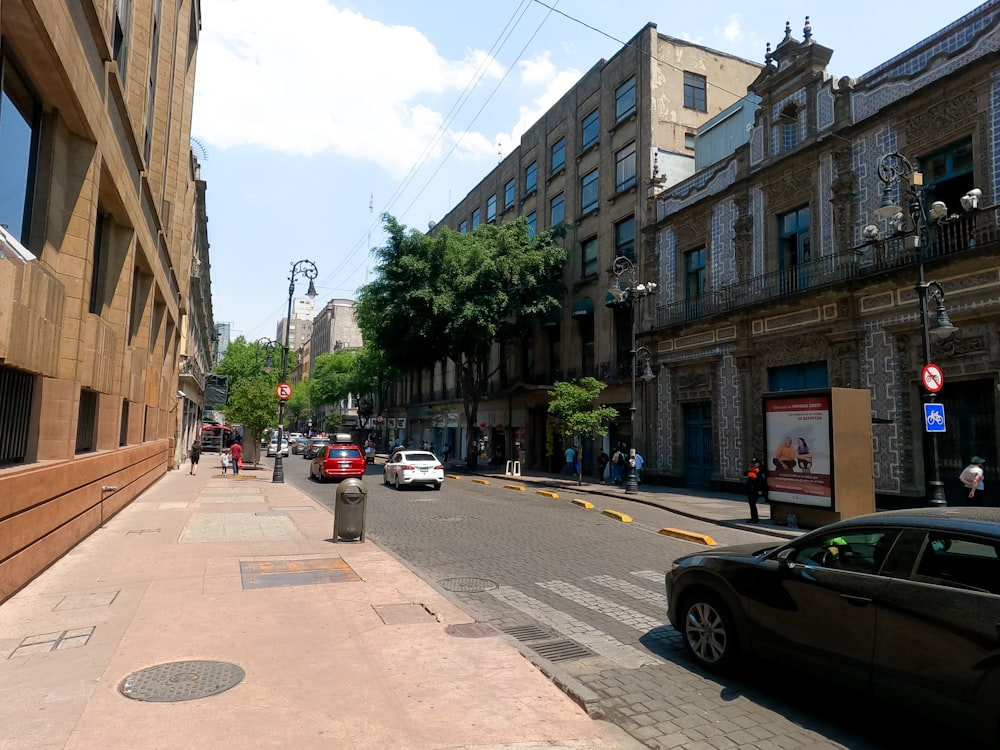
x=331, y=377
x=299, y=405
x=574, y=406
x=456, y=296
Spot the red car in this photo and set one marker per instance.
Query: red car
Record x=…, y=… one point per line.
x=338, y=461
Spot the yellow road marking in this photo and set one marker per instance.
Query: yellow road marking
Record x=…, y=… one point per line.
x=624, y=518
x=547, y=493
x=582, y=504
x=689, y=535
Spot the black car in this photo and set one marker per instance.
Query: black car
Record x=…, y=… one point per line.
x=314, y=446
x=904, y=605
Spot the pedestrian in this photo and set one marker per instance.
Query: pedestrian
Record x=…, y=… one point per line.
x=226, y=459
x=577, y=465
x=236, y=456
x=195, y=455
x=570, y=461
x=756, y=482
x=447, y=451
x=602, y=462
x=639, y=463
x=972, y=477
x=618, y=459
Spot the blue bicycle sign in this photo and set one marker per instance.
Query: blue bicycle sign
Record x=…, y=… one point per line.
x=934, y=417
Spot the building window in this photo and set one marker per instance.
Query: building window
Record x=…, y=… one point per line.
x=798, y=377
x=689, y=141
x=15, y=416
x=625, y=99
x=531, y=178
x=794, y=249
x=151, y=84
x=695, y=281
x=588, y=192
x=694, y=92
x=463, y=228
x=532, y=224
x=121, y=33
x=557, y=212
x=98, y=272
x=123, y=428
x=508, y=195
x=589, y=258
x=625, y=168
x=587, y=349
x=949, y=173
x=20, y=118
x=86, y=426
x=491, y=209
x=475, y=218
x=558, y=156
x=625, y=238
x=591, y=130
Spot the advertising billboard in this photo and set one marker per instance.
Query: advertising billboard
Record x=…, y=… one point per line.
x=799, y=461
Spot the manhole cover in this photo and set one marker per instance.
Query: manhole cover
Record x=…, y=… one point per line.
x=471, y=630
x=181, y=681
x=467, y=585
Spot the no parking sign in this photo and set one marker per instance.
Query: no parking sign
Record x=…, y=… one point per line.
x=284, y=391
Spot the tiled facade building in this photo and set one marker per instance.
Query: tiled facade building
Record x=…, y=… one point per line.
x=778, y=274
x=99, y=199
x=591, y=164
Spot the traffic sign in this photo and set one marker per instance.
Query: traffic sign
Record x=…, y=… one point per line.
x=284, y=391
x=934, y=417
x=932, y=377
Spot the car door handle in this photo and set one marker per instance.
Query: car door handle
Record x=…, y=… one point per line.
x=857, y=601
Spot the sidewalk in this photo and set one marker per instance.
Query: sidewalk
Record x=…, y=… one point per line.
x=287, y=640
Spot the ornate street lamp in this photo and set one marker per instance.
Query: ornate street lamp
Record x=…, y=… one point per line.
x=631, y=294
x=306, y=269
x=892, y=168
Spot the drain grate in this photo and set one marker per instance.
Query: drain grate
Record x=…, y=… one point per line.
x=467, y=585
x=527, y=633
x=181, y=681
x=561, y=650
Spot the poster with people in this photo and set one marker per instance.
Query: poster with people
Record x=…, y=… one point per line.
x=798, y=465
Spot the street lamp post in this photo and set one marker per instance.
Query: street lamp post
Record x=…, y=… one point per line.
x=893, y=167
x=630, y=295
x=306, y=269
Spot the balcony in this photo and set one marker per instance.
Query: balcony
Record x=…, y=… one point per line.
x=949, y=238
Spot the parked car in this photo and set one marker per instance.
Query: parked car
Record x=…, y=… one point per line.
x=903, y=605
x=313, y=447
x=338, y=461
x=405, y=468
x=272, y=447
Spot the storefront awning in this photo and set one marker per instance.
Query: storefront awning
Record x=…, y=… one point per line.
x=583, y=308
x=551, y=319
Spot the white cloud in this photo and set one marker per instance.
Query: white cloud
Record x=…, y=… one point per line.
x=324, y=80
x=732, y=32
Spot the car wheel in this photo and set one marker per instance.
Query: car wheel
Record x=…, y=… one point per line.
x=385, y=478
x=708, y=631
x=437, y=485
x=397, y=482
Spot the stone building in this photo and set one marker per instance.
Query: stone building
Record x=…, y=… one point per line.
x=777, y=272
x=590, y=164
x=100, y=202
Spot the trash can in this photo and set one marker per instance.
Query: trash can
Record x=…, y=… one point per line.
x=349, y=512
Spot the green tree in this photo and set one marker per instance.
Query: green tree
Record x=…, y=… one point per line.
x=299, y=405
x=457, y=296
x=252, y=376
x=574, y=407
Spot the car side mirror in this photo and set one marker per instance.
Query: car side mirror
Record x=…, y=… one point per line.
x=783, y=558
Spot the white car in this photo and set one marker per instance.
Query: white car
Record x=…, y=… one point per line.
x=272, y=448
x=405, y=468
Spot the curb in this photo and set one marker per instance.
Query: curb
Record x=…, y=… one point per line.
x=689, y=536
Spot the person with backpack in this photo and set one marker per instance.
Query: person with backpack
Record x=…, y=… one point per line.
x=972, y=478
x=618, y=459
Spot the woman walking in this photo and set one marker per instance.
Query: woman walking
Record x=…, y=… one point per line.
x=195, y=455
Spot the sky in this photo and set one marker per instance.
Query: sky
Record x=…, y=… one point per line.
x=313, y=121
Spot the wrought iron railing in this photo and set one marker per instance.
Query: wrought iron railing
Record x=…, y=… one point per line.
x=952, y=236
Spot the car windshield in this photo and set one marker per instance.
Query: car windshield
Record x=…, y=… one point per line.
x=419, y=457
x=344, y=453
